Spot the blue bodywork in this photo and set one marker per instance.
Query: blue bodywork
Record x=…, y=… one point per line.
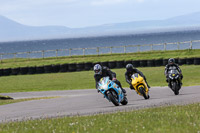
x=105, y=84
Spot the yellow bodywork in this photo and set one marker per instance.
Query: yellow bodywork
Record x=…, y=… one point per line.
x=137, y=82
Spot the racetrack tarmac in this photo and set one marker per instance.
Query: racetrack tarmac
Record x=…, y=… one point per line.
x=88, y=102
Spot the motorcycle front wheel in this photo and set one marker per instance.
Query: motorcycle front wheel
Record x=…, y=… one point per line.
x=175, y=88
x=113, y=98
x=143, y=92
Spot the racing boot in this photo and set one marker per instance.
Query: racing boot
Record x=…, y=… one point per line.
x=124, y=91
x=180, y=82
x=131, y=87
x=148, y=86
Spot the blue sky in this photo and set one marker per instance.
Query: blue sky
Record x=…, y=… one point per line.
x=84, y=13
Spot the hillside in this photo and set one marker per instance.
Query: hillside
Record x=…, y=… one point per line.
x=11, y=30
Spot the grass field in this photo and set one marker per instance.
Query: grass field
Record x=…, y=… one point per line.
x=171, y=119
x=13, y=63
x=85, y=80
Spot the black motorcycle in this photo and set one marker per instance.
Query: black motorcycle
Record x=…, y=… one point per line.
x=174, y=81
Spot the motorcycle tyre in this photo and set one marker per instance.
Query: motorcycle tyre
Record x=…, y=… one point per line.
x=142, y=91
x=125, y=101
x=113, y=99
x=175, y=88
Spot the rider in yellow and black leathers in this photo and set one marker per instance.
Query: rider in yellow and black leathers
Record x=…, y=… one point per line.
x=130, y=70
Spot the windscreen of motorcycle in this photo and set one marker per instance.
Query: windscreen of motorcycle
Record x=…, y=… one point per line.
x=173, y=74
x=135, y=75
x=104, y=82
x=172, y=68
x=173, y=71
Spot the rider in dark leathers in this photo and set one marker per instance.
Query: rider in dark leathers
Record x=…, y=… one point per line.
x=104, y=71
x=130, y=70
x=172, y=65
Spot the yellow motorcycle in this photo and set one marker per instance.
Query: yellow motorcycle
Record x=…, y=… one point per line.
x=140, y=85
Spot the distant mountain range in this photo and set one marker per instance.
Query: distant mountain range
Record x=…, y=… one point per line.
x=11, y=30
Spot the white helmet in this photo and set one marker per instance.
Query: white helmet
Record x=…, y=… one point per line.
x=97, y=69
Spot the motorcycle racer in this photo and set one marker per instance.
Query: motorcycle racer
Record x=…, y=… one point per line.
x=104, y=71
x=130, y=70
x=172, y=65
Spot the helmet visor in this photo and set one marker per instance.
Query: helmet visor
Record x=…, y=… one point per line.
x=96, y=71
x=129, y=69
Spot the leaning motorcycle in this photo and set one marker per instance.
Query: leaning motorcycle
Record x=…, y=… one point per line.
x=140, y=85
x=112, y=91
x=174, y=81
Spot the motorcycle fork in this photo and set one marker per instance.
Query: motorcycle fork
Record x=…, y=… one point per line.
x=170, y=84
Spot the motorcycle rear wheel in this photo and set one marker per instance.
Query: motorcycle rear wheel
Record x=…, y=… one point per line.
x=125, y=101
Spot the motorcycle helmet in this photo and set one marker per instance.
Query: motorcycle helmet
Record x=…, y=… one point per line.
x=129, y=67
x=171, y=61
x=97, y=69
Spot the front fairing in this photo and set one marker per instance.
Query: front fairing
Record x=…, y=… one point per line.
x=105, y=85
x=173, y=74
x=136, y=79
x=137, y=82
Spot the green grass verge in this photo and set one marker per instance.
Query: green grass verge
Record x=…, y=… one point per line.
x=171, y=119
x=85, y=79
x=3, y=102
x=13, y=63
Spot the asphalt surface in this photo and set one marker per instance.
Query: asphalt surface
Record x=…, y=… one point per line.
x=88, y=102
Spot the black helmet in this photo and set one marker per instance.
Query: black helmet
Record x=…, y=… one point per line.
x=171, y=61
x=97, y=69
x=129, y=67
